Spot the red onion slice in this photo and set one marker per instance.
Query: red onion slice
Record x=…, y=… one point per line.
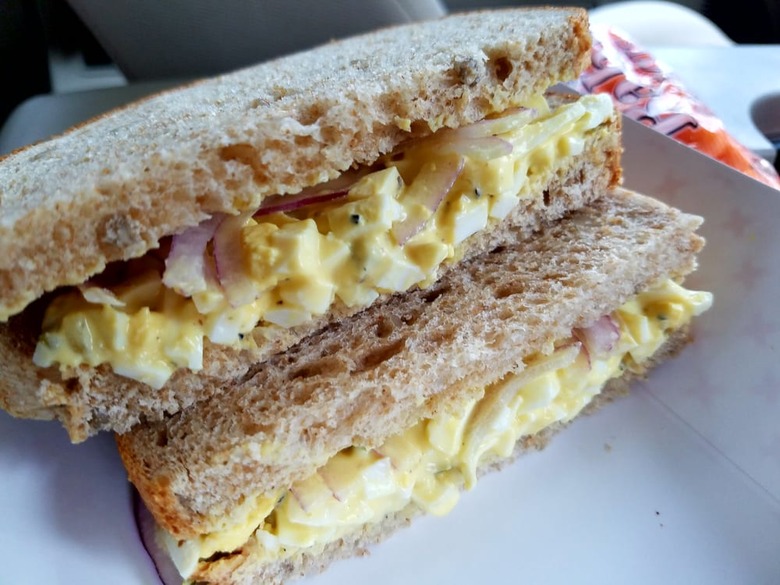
x=329, y=481
x=284, y=203
x=186, y=269
x=483, y=148
x=481, y=140
x=147, y=527
x=229, y=261
x=507, y=122
x=600, y=338
x=429, y=188
x=298, y=496
x=98, y=295
x=323, y=193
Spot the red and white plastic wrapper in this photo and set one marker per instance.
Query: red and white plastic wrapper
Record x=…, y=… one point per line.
x=644, y=92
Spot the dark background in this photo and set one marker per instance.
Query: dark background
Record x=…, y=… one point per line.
x=29, y=29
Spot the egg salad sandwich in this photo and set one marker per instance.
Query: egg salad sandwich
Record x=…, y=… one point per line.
x=158, y=256
x=344, y=437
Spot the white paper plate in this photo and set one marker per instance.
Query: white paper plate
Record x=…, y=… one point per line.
x=678, y=483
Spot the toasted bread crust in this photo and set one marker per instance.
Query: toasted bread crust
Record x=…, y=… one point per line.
x=110, y=189
x=367, y=377
x=87, y=400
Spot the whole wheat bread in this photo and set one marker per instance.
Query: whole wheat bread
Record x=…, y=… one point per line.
x=376, y=373
x=156, y=167
x=242, y=567
x=110, y=189
x=87, y=399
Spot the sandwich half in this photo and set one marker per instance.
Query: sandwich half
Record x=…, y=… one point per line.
x=390, y=412
x=157, y=256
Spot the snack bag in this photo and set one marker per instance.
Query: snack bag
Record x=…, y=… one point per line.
x=644, y=92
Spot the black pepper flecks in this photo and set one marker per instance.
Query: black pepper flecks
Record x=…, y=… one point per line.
x=355, y=218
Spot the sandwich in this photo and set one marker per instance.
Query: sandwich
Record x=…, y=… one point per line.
x=389, y=413
x=317, y=297
x=157, y=257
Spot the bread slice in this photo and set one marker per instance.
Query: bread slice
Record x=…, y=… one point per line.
x=110, y=189
x=88, y=400
x=377, y=373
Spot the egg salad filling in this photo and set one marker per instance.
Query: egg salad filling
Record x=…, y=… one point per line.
x=428, y=464
x=289, y=261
